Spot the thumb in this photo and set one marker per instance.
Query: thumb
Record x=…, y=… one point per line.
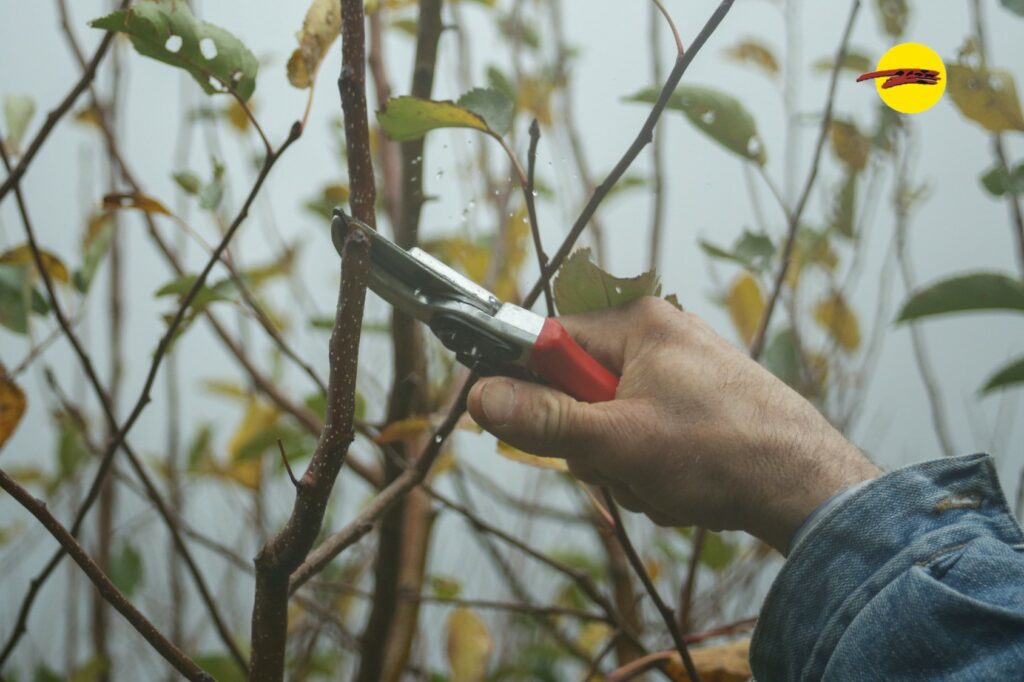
x=534, y=418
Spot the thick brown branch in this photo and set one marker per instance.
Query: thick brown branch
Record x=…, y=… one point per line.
x=181, y=662
x=286, y=551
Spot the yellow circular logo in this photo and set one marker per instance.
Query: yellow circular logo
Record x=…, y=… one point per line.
x=910, y=78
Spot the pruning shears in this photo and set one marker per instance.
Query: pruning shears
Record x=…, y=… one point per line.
x=487, y=335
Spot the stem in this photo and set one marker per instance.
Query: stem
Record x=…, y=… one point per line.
x=652, y=591
x=757, y=345
x=181, y=662
x=531, y=208
x=642, y=139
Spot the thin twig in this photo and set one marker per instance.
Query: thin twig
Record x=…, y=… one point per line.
x=671, y=25
x=54, y=116
x=638, y=565
x=531, y=209
x=757, y=345
x=287, y=464
x=181, y=662
x=642, y=139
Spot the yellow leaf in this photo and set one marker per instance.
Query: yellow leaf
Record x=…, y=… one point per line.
x=517, y=455
x=225, y=389
x=22, y=255
x=236, y=115
x=27, y=475
x=89, y=116
x=836, y=317
x=469, y=646
x=402, y=430
x=653, y=567
x=141, y=202
x=319, y=29
x=723, y=663
x=746, y=306
x=756, y=53
x=535, y=98
x=247, y=470
x=12, y=405
x=592, y=635
x=988, y=97
x=410, y=118
x=849, y=144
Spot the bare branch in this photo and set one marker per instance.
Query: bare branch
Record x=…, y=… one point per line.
x=181, y=662
x=531, y=208
x=757, y=345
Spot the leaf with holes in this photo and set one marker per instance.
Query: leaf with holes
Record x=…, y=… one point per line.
x=719, y=115
x=167, y=31
x=319, y=30
x=134, y=200
x=18, y=111
x=12, y=405
x=838, y=319
x=746, y=306
x=22, y=255
x=988, y=97
x=1005, y=377
x=492, y=105
x=410, y=118
x=469, y=646
x=582, y=286
x=751, y=51
x=975, y=291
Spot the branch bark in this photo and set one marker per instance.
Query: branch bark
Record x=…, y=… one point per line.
x=181, y=662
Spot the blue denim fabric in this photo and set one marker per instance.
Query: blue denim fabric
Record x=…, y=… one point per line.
x=918, y=575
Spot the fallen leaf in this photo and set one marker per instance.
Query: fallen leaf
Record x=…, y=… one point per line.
x=469, y=646
x=320, y=28
x=12, y=405
x=746, y=306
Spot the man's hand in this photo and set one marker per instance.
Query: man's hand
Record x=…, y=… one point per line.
x=698, y=432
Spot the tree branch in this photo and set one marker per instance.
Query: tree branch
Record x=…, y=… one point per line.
x=531, y=208
x=181, y=662
x=757, y=345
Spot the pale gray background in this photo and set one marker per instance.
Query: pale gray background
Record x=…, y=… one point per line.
x=958, y=229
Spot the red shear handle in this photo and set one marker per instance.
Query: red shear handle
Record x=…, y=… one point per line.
x=558, y=358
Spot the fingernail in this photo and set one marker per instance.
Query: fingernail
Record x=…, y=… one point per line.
x=498, y=400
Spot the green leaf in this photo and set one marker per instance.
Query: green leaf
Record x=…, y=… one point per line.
x=849, y=144
x=18, y=111
x=998, y=180
x=497, y=80
x=492, y=105
x=1012, y=373
x=44, y=674
x=200, y=451
x=221, y=666
x=18, y=298
x=988, y=97
x=894, y=15
x=976, y=291
x=718, y=552
x=409, y=27
x=582, y=286
x=410, y=118
x=843, y=206
x=445, y=586
x=126, y=570
x=781, y=358
x=1015, y=6
x=719, y=115
x=98, y=235
x=92, y=670
x=188, y=181
x=167, y=31
x=211, y=194
x=753, y=251
x=224, y=290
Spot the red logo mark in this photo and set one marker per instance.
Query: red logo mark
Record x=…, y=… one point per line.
x=896, y=77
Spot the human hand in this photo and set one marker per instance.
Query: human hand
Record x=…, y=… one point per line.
x=698, y=432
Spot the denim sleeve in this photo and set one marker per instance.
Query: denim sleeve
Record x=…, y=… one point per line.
x=918, y=575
